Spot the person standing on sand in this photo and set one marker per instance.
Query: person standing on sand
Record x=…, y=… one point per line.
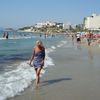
x=78, y=37
x=89, y=38
x=37, y=60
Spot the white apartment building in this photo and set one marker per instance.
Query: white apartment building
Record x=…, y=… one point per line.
x=39, y=25
x=92, y=22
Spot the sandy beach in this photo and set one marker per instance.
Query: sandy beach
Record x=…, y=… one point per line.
x=75, y=76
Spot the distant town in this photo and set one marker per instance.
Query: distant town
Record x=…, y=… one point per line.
x=89, y=23
x=90, y=29
x=52, y=27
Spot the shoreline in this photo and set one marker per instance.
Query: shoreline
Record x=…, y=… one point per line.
x=75, y=76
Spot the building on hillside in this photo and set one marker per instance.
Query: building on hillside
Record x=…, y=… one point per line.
x=40, y=25
x=92, y=22
x=60, y=25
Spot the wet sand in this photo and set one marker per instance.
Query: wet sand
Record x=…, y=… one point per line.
x=75, y=76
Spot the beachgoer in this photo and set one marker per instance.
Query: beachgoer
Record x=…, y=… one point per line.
x=40, y=35
x=45, y=35
x=72, y=37
x=78, y=36
x=89, y=38
x=7, y=35
x=4, y=34
x=37, y=60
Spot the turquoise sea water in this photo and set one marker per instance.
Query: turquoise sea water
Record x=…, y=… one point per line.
x=15, y=73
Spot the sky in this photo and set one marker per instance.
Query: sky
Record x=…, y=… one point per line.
x=20, y=13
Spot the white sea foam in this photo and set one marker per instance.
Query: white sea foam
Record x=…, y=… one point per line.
x=61, y=43
x=48, y=62
x=15, y=81
x=53, y=47
x=2, y=38
x=18, y=37
x=48, y=50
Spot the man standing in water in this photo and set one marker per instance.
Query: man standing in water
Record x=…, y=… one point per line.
x=7, y=35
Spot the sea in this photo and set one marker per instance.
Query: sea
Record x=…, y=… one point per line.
x=15, y=52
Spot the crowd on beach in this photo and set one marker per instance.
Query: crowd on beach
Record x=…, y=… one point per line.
x=6, y=35
x=90, y=37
